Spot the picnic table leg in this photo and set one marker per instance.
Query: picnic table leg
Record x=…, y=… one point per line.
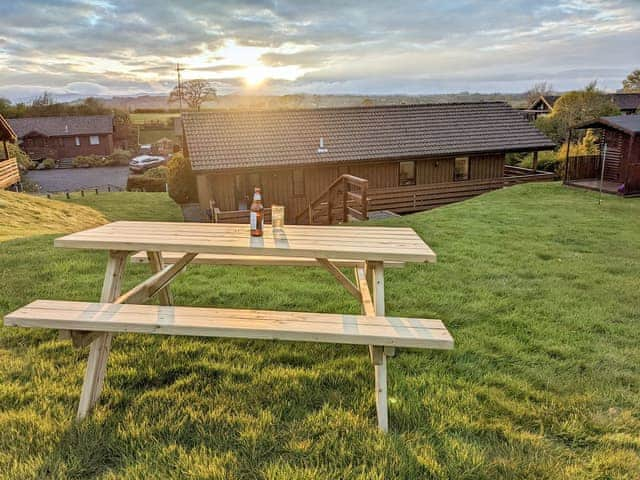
x=375, y=278
x=157, y=264
x=99, y=350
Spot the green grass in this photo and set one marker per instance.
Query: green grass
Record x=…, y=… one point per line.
x=538, y=285
x=140, y=118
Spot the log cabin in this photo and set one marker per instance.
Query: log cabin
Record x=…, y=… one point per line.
x=64, y=137
x=628, y=103
x=412, y=157
x=616, y=169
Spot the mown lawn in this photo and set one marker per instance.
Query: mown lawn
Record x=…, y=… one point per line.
x=538, y=284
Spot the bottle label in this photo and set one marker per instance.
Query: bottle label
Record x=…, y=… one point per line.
x=253, y=220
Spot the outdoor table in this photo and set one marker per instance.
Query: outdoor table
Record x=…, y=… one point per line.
x=368, y=247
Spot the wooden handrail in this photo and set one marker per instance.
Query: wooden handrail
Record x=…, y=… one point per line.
x=326, y=197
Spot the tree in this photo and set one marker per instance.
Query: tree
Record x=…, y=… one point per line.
x=631, y=84
x=538, y=90
x=181, y=180
x=574, y=108
x=194, y=93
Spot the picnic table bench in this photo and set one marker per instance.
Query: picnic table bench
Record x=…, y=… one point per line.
x=170, y=247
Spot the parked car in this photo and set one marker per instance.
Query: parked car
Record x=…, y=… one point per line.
x=142, y=163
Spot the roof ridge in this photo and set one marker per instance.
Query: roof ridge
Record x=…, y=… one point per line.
x=342, y=108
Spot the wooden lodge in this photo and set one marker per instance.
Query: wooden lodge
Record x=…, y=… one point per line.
x=9, y=171
x=64, y=137
x=616, y=169
x=326, y=165
x=628, y=103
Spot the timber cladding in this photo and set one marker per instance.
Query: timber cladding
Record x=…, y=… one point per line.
x=232, y=191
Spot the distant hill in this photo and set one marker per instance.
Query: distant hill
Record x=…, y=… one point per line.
x=311, y=101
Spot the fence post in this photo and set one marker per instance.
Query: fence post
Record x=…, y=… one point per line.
x=67, y=195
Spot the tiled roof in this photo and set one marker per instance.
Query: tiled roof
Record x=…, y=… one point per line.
x=61, y=126
x=627, y=101
x=624, y=101
x=626, y=123
x=222, y=140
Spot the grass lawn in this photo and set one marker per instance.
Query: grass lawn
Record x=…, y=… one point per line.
x=538, y=285
x=140, y=118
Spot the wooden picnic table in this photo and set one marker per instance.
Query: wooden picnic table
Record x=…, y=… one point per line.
x=330, y=247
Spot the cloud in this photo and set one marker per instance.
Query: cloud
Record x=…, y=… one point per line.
x=346, y=46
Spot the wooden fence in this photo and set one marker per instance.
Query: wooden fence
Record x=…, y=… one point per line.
x=425, y=197
x=9, y=173
x=583, y=166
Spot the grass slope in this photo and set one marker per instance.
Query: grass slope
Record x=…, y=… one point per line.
x=25, y=215
x=538, y=284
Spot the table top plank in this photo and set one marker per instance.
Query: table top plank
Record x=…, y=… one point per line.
x=362, y=243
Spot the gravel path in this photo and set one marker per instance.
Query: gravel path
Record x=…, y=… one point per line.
x=71, y=179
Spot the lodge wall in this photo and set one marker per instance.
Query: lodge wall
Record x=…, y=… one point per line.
x=67, y=146
x=296, y=187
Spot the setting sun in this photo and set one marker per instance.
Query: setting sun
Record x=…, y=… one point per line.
x=254, y=76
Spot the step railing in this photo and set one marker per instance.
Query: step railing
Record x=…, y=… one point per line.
x=346, y=199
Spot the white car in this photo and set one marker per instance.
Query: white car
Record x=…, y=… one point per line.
x=142, y=163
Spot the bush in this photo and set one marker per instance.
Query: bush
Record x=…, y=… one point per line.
x=48, y=163
x=120, y=157
x=24, y=162
x=181, y=180
x=90, y=161
x=145, y=183
x=157, y=172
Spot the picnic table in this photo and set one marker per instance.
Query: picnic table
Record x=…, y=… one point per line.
x=169, y=247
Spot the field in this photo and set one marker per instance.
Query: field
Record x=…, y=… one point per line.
x=140, y=118
x=537, y=283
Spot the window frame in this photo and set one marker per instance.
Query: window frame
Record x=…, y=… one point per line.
x=76, y=141
x=411, y=181
x=97, y=139
x=467, y=177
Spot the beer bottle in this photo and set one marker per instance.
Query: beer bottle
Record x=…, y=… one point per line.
x=256, y=213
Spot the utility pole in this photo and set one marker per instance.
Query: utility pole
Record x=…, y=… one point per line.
x=179, y=69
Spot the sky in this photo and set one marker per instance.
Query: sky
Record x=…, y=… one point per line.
x=113, y=47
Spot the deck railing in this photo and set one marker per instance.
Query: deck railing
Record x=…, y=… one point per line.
x=515, y=175
x=9, y=173
x=581, y=167
x=424, y=197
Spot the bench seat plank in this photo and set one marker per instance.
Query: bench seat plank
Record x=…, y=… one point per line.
x=254, y=260
x=232, y=323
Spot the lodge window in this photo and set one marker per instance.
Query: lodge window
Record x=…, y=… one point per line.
x=77, y=141
x=407, y=173
x=94, y=140
x=298, y=183
x=461, y=169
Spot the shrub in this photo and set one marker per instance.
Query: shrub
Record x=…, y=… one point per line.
x=48, y=163
x=157, y=172
x=181, y=180
x=90, y=161
x=24, y=162
x=120, y=157
x=145, y=183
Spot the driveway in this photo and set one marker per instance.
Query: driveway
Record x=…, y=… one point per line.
x=72, y=179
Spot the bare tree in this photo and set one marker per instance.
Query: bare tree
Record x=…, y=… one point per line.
x=194, y=92
x=631, y=84
x=538, y=90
